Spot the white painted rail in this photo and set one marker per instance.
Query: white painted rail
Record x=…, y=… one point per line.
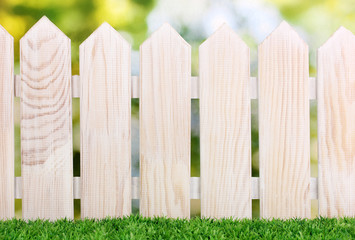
x=194, y=188
x=194, y=87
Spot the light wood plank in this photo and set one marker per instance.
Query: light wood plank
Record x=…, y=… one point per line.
x=6, y=125
x=336, y=129
x=225, y=135
x=46, y=124
x=284, y=136
x=105, y=124
x=165, y=119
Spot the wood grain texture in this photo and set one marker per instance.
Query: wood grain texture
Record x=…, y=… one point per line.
x=284, y=136
x=7, y=171
x=336, y=130
x=105, y=124
x=225, y=135
x=46, y=123
x=165, y=119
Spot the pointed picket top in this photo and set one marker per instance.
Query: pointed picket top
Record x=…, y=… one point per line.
x=283, y=31
x=226, y=33
x=166, y=32
x=44, y=27
x=105, y=30
x=342, y=35
x=4, y=33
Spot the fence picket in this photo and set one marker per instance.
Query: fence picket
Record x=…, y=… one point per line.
x=225, y=135
x=284, y=125
x=7, y=194
x=105, y=123
x=165, y=111
x=336, y=130
x=46, y=128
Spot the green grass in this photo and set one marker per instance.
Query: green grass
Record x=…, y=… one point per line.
x=136, y=227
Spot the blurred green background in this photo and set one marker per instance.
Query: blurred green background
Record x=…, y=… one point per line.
x=195, y=20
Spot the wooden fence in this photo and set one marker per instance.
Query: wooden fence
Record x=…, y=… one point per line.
x=165, y=88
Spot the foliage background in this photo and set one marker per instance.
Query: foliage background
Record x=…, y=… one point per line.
x=195, y=20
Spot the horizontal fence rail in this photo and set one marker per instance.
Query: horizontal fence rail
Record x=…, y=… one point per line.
x=195, y=93
x=195, y=190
